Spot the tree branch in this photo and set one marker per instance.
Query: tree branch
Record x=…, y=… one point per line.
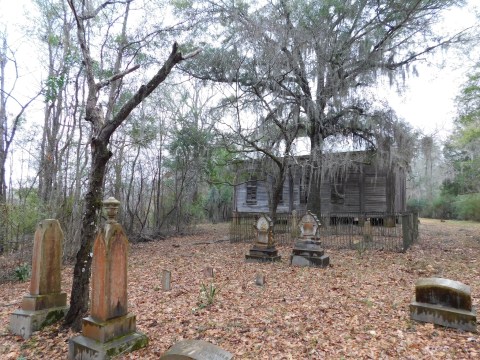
x=16, y=121
x=144, y=91
x=116, y=77
x=95, y=12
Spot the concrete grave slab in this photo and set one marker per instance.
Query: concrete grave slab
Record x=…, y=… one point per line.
x=196, y=350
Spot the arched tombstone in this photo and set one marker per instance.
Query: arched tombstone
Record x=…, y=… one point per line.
x=309, y=225
x=46, y=303
x=263, y=250
x=110, y=329
x=444, y=302
x=307, y=250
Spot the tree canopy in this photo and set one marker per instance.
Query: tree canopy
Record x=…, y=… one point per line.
x=318, y=59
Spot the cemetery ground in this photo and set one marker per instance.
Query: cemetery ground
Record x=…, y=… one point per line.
x=356, y=308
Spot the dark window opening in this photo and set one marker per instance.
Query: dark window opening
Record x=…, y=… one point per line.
x=251, y=192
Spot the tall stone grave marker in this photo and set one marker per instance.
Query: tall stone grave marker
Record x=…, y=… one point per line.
x=263, y=249
x=166, y=280
x=444, y=302
x=46, y=302
x=307, y=250
x=110, y=329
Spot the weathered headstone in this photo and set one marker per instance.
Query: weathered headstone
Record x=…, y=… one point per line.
x=46, y=303
x=294, y=227
x=196, y=350
x=208, y=272
x=307, y=250
x=444, y=302
x=263, y=249
x=367, y=231
x=110, y=329
x=166, y=280
x=260, y=279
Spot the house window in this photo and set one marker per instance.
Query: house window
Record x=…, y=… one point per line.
x=252, y=192
x=337, y=191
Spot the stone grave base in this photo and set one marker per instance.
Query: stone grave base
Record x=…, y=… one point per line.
x=42, y=302
x=445, y=316
x=104, y=331
x=310, y=261
x=84, y=348
x=258, y=254
x=104, y=339
x=309, y=253
x=25, y=322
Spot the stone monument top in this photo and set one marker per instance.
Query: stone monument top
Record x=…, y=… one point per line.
x=264, y=228
x=309, y=225
x=264, y=223
x=111, y=206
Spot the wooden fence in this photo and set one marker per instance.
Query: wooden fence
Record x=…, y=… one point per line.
x=389, y=232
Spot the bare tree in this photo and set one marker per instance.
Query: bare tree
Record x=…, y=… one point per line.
x=8, y=127
x=102, y=130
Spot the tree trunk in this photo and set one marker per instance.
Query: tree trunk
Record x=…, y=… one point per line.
x=93, y=203
x=314, y=203
x=277, y=190
x=3, y=152
x=390, y=196
x=128, y=200
x=3, y=124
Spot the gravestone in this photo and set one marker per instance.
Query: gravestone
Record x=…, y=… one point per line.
x=196, y=350
x=294, y=232
x=166, y=280
x=444, y=302
x=263, y=250
x=208, y=272
x=110, y=329
x=307, y=250
x=46, y=303
x=259, y=279
x=367, y=231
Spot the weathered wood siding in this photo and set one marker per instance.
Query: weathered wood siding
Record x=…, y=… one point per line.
x=401, y=192
x=375, y=193
x=263, y=195
x=364, y=190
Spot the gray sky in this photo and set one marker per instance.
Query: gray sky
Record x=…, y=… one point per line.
x=427, y=102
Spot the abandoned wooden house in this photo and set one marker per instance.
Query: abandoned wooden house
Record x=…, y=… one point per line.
x=355, y=183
